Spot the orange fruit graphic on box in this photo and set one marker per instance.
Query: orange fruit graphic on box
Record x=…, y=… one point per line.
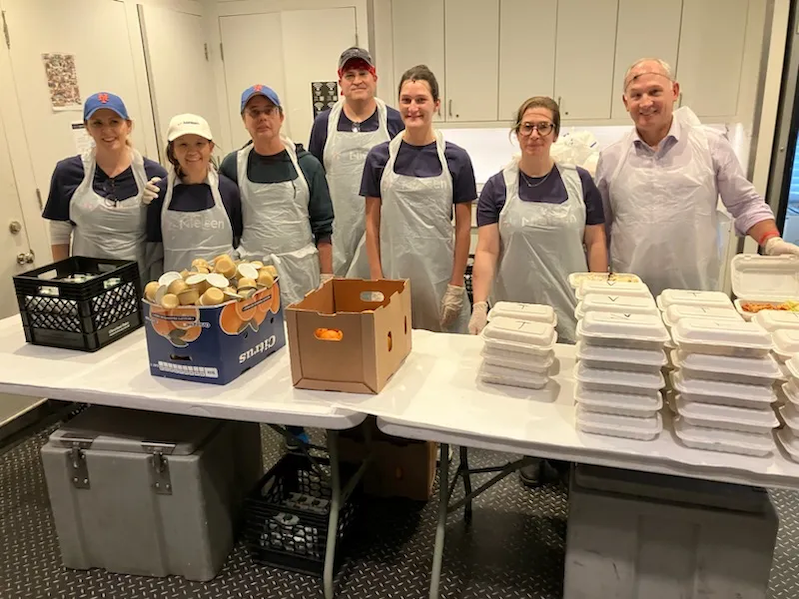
x=275, y=298
x=160, y=325
x=189, y=318
x=229, y=320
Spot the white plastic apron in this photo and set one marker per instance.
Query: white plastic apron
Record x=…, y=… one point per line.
x=665, y=224
x=104, y=229
x=540, y=246
x=344, y=158
x=417, y=238
x=190, y=235
x=277, y=228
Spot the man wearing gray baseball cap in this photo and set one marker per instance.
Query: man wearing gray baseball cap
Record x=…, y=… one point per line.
x=341, y=138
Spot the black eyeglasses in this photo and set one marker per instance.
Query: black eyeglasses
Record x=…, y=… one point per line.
x=544, y=129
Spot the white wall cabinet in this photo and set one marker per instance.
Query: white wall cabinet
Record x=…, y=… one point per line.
x=711, y=54
x=636, y=38
x=471, y=34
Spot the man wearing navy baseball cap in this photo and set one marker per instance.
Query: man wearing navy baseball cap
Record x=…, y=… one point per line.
x=286, y=207
x=340, y=139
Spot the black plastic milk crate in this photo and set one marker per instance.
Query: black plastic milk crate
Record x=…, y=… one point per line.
x=283, y=534
x=84, y=315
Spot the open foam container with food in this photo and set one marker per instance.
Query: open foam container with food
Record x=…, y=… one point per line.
x=765, y=283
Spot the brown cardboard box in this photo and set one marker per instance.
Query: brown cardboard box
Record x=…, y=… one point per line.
x=375, y=335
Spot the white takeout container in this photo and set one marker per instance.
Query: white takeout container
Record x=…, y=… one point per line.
x=509, y=359
x=617, y=381
x=734, y=394
x=634, y=331
x=789, y=442
x=790, y=416
x=686, y=297
x=576, y=278
x=786, y=343
x=619, y=404
x=726, y=369
x=621, y=304
x=606, y=287
x=616, y=358
x=725, y=441
x=726, y=417
x=677, y=312
x=758, y=278
x=511, y=377
x=520, y=311
x=525, y=332
x=628, y=427
x=775, y=320
x=721, y=337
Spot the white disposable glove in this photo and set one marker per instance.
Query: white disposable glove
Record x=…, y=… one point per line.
x=777, y=246
x=479, y=318
x=451, y=304
x=326, y=276
x=150, y=191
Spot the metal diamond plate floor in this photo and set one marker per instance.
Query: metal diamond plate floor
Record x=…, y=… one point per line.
x=513, y=549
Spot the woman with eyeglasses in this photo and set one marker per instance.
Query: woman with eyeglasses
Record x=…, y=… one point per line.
x=95, y=200
x=286, y=208
x=538, y=222
x=197, y=213
x=412, y=186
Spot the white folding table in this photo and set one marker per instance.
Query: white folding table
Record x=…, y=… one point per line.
x=119, y=375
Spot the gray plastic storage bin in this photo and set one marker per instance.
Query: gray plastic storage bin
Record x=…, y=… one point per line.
x=147, y=493
x=647, y=536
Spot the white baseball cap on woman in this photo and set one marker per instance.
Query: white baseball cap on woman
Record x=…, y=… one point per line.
x=187, y=124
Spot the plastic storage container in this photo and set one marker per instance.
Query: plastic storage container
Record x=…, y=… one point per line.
x=149, y=494
x=617, y=381
x=633, y=331
x=686, y=297
x=721, y=337
x=679, y=311
x=725, y=441
x=518, y=361
x=726, y=369
x=59, y=307
x=726, y=417
x=764, y=280
x=286, y=515
x=615, y=358
x=786, y=344
x=511, y=334
x=734, y=394
x=511, y=377
x=576, y=278
x=621, y=304
x=609, y=425
x=619, y=404
x=774, y=320
x=612, y=287
x=519, y=311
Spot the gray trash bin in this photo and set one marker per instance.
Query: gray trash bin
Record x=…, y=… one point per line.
x=150, y=494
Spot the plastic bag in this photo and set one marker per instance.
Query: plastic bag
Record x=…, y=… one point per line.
x=579, y=148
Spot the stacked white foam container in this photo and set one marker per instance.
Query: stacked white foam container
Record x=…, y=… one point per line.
x=620, y=357
x=519, y=345
x=723, y=375
x=789, y=412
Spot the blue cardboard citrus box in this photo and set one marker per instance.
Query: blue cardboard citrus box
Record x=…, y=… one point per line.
x=214, y=344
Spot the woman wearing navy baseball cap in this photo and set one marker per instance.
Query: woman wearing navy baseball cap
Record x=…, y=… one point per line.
x=95, y=199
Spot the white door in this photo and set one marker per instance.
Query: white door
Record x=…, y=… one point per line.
x=521, y=22
x=252, y=53
x=418, y=31
x=95, y=32
x=313, y=40
x=471, y=36
x=636, y=38
x=586, y=49
x=181, y=79
x=710, y=56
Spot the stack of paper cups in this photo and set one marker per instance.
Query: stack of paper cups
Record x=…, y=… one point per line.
x=723, y=382
x=519, y=348
x=620, y=356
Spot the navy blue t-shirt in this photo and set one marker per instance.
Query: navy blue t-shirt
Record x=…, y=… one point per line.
x=316, y=144
x=68, y=175
x=551, y=191
x=421, y=162
x=193, y=198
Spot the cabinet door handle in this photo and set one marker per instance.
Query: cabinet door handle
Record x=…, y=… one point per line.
x=450, y=107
